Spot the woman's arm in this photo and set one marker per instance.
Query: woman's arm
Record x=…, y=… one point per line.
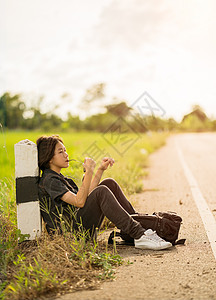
x=96, y=179
x=104, y=165
x=79, y=199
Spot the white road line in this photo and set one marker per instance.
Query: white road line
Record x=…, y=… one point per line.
x=204, y=210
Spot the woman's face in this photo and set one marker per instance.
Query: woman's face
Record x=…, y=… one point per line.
x=60, y=159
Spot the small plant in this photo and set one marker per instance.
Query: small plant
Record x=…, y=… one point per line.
x=106, y=261
x=9, y=236
x=30, y=280
x=88, y=256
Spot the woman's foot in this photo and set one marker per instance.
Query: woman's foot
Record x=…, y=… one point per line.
x=150, y=240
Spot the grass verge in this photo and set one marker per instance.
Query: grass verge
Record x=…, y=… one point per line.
x=51, y=264
x=58, y=264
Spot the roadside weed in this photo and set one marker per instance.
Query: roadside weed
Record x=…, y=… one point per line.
x=30, y=280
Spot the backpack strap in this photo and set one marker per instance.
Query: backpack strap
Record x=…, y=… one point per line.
x=180, y=242
x=114, y=234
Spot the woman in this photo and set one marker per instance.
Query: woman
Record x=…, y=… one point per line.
x=61, y=199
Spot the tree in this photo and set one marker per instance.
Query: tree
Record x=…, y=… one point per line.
x=198, y=112
x=196, y=120
x=94, y=93
x=11, y=110
x=99, y=122
x=13, y=114
x=171, y=124
x=120, y=109
x=72, y=122
x=192, y=123
x=92, y=101
x=3, y=112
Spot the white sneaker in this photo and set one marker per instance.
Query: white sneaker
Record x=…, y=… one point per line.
x=150, y=240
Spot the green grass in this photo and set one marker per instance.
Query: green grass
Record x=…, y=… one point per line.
x=130, y=158
x=26, y=272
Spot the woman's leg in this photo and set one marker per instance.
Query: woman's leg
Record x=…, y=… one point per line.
x=102, y=202
x=117, y=191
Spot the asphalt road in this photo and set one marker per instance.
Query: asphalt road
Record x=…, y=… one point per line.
x=199, y=152
x=182, y=272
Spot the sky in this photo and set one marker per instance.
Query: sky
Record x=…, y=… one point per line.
x=165, y=48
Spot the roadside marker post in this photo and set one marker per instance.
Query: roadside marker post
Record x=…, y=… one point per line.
x=27, y=174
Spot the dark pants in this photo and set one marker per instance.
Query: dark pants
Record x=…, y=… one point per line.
x=107, y=199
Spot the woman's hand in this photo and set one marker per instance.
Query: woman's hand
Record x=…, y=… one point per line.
x=89, y=164
x=106, y=161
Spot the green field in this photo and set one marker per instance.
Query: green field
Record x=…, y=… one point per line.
x=129, y=151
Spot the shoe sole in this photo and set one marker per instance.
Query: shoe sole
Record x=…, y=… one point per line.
x=150, y=248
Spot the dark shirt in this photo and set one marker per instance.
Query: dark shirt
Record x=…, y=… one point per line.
x=52, y=186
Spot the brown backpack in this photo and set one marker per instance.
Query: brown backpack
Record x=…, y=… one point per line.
x=166, y=225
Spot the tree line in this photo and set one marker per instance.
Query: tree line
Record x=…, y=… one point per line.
x=15, y=115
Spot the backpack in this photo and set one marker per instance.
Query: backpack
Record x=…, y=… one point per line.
x=166, y=225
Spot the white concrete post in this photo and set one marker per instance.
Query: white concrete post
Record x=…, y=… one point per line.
x=27, y=174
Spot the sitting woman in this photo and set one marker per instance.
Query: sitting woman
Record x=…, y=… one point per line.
x=60, y=197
